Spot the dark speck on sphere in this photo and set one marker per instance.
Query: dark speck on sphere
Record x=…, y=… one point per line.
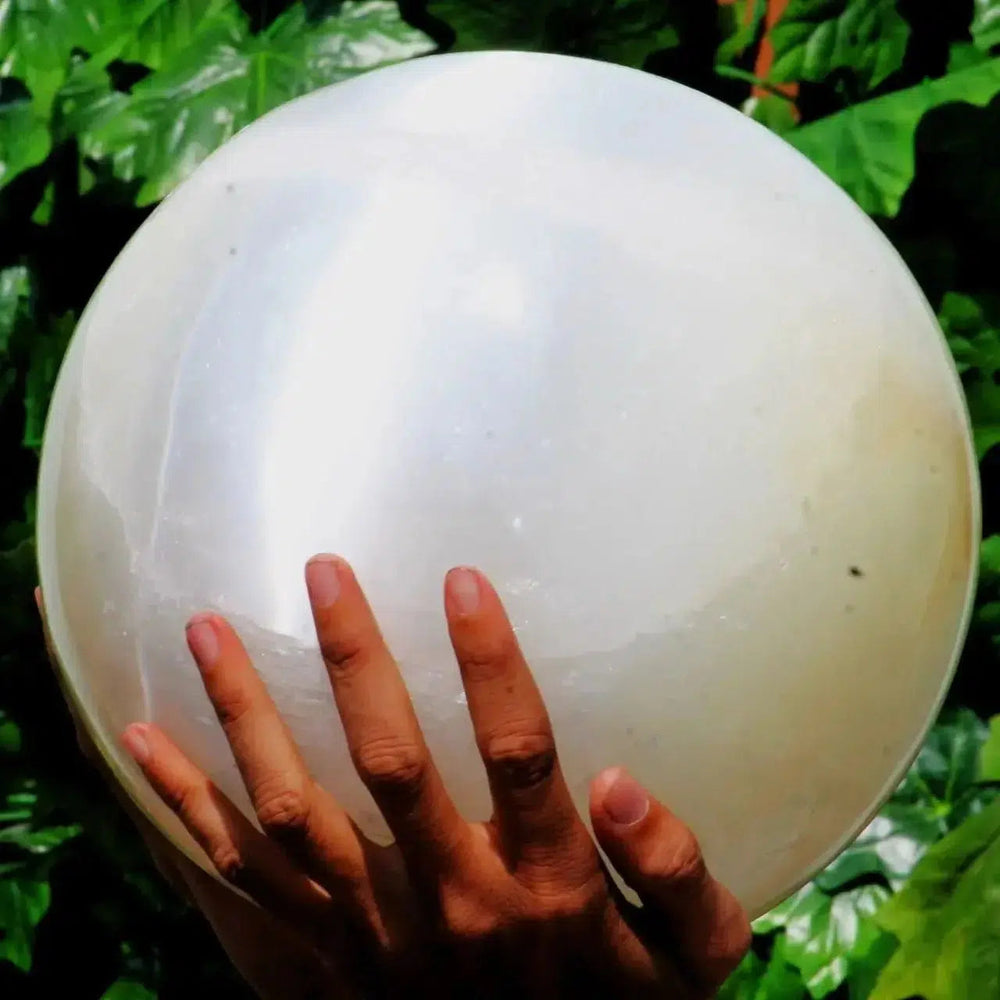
x=855, y=571
x=230, y=187
x=232, y=251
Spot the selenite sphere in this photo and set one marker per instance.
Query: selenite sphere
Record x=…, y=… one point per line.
x=596, y=333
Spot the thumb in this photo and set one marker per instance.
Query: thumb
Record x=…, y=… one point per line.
x=659, y=857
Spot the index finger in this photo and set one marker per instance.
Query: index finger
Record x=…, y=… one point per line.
x=383, y=735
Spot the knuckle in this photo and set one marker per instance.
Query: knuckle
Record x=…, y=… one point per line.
x=390, y=764
x=679, y=861
x=228, y=863
x=231, y=708
x=468, y=922
x=342, y=653
x=282, y=811
x=488, y=657
x=521, y=760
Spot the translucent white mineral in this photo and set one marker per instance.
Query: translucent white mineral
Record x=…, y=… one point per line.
x=594, y=332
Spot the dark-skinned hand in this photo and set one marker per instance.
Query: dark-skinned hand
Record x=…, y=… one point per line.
x=519, y=906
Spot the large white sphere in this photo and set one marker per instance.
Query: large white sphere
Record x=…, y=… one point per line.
x=594, y=332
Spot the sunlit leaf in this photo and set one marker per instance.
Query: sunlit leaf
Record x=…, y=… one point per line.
x=985, y=26
x=173, y=119
x=947, y=919
x=869, y=148
x=38, y=38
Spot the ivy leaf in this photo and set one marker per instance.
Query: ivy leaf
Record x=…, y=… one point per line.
x=868, y=149
x=989, y=755
x=816, y=37
x=947, y=919
x=174, y=118
x=23, y=903
x=622, y=31
x=985, y=27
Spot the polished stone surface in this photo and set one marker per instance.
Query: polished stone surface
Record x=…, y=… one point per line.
x=594, y=332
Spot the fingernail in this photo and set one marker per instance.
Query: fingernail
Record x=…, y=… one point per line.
x=626, y=801
x=136, y=742
x=202, y=639
x=322, y=580
x=38, y=598
x=464, y=594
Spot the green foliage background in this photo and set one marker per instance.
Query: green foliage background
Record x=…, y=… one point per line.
x=105, y=105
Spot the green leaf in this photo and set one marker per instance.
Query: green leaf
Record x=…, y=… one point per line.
x=985, y=27
x=868, y=149
x=15, y=288
x=947, y=766
x=891, y=845
x=24, y=136
x=173, y=119
x=621, y=31
x=741, y=23
x=755, y=979
x=38, y=841
x=823, y=932
x=972, y=326
x=10, y=736
x=163, y=30
x=816, y=37
x=947, y=919
x=127, y=989
x=773, y=110
x=23, y=903
x=962, y=55
x=989, y=754
x=38, y=38
x=47, y=349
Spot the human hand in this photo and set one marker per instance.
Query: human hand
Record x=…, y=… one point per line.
x=520, y=904
x=270, y=957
